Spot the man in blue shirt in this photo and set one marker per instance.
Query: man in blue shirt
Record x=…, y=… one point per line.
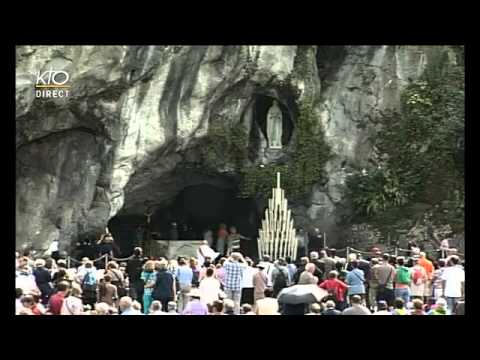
x=234, y=267
x=184, y=275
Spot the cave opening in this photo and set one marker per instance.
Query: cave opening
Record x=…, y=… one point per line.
x=200, y=207
x=261, y=107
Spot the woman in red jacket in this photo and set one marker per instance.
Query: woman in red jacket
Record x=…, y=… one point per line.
x=337, y=290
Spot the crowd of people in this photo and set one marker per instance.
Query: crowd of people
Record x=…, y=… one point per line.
x=379, y=284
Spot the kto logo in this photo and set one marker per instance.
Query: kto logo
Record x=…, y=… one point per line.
x=52, y=84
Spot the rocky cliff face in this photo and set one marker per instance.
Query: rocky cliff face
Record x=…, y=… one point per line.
x=136, y=113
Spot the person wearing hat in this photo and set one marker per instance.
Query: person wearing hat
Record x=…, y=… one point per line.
x=330, y=309
x=260, y=282
x=72, y=305
x=382, y=308
x=43, y=280
x=440, y=308
x=195, y=306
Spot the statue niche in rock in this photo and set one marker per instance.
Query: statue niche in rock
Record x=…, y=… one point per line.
x=274, y=126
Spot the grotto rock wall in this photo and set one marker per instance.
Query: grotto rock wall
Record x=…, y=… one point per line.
x=136, y=112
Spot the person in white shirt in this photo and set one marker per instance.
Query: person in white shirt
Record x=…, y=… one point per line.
x=453, y=277
x=72, y=305
x=26, y=281
x=247, y=283
x=209, y=288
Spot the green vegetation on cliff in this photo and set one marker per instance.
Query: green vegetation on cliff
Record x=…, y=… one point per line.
x=420, y=149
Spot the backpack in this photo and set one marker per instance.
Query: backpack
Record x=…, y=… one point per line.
x=417, y=276
x=403, y=276
x=89, y=283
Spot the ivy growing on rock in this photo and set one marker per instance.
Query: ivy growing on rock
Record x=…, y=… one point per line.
x=224, y=148
x=421, y=148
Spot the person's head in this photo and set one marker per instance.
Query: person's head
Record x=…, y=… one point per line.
x=76, y=290
x=332, y=274
x=228, y=305
x=194, y=294
x=374, y=261
x=209, y=272
x=107, y=278
x=125, y=303
x=441, y=304
x=172, y=306
x=352, y=257
x=222, y=261
x=161, y=265
x=315, y=308
x=23, y=261
x=63, y=286
x=441, y=263
x=332, y=252
x=268, y=292
x=288, y=259
x=193, y=262
x=356, y=300
x=28, y=301
x=18, y=293
x=354, y=264
x=246, y=308
x=393, y=260
x=136, y=305
x=173, y=264
x=112, y=265
x=217, y=307
x=61, y=264
x=304, y=260
x=49, y=263
x=138, y=251
x=330, y=304
x=417, y=305
x=266, y=258
x=399, y=303
x=233, y=230
x=310, y=267
x=385, y=258
x=237, y=256
x=323, y=254
x=156, y=306
x=314, y=255
x=102, y=308
x=39, y=263
x=149, y=265
x=382, y=305
x=454, y=260
x=401, y=261
x=88, y=265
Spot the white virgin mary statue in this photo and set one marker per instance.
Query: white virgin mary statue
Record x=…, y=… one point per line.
x=274, y=126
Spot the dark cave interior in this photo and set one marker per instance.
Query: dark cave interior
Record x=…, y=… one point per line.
x=200, y=207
